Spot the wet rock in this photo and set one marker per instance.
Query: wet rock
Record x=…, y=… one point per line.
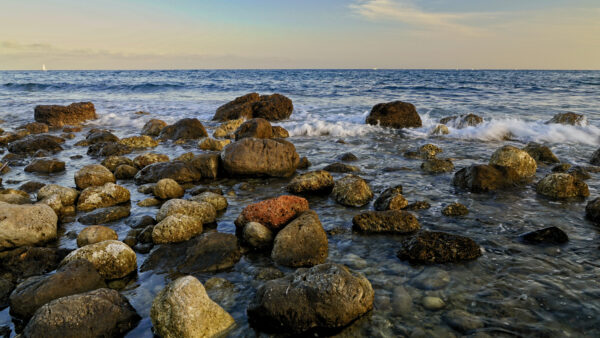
x=455, y=209
x=33, y=143
x=105, y=215
x=433, y=303
x=138, y=142
x=241, y=107
x=341, y=168
x=390, y=221
x=401, y=301
x=203, y=211
x=113, y=259
x=324, y=297
x=75, y=277
x=184, y=129
x=183, y=309
x=314, y=182
x=180, y=171
x=541, y=153
x=218, y=201
x=270, y=107
x=595, y=160
x=579, y=173
x=209, y=252
x=71, y=129
x=58, y=116
x=280, y=132
x=483, y=178
x=396, y=114
x=57, y=197
x=391, y=199
x=101, y=136
x=418, y=205
x=558, y=186
x=148, y=202
x=176, y=228
x=592, y=210
x=146, y=159
x=29, y=261
x=31, y=186
x=167, y=189
x=12, y=160
x=257, y=128
x=101, y=197
x=429, y=247
x=22, y=225
x=212, y=144
x=462, y=121
x=431, y=279
x=260, y=157
x=98, y=313
x=153, y=127
x=125, y=172
x=561, y=168
x=257, y=236
x=462, y=321
x=348, y=157
x=426, y=151
x=13, y=196
x=304, y=163
x=437, y=166
x=108, y=149
x=93, y=175
x=273, y=213
x=6, y=287
x=440, y=129
x=45, y=166
x=351, y=190
x=95, y=234
x=303, y=242
x=35, y=127
x=569, y=119
x=227, y=128
x=515, y=158
x=550, y=235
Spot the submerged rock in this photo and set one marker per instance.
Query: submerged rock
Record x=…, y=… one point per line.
x=29, y=261
x=541, y=153
x=462, y=321
x=341, y=168
x=550, y=235
x=455, y=209
x=273, y=213
x=560, y=186
x=430, y=247
x=22, y=225
x=390, y=221
x=462, y=121
x=437, y=166
x=113, y=259
x=391, y=199
x=59, y=116
x=569, y=119
x=440, y=129
x=93, y=175
x=101, y=136
x=184, y=129
x=396, y=114
x=351, y=190
x=483, y=178
x=303, y=242
x=515, y=158
x=260, y=157
x=314, y=182
x=95, y=234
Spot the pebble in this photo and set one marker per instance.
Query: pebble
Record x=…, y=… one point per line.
x=433, y=303
x=401, y=301
x=431, y=279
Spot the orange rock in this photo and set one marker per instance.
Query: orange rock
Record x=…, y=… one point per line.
x=273, y=213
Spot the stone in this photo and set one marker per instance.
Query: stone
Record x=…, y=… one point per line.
x=303, y=242
x=184, y=129
x=149, y=202
x=341, y=168
x=113, y=259
x=579, y=173
x=183, y=309
x=59, y=116
x=168, y=188
x=146, y=159
x=431, y=278
x=31, y=187
x=95, y=234
x=33, y=143
x=391, y=199
x=280, y=132
x=257, y=236
x=203, y=211
x=304, y=163
x=240, y=108
x=595, y=160
x=212, y=144
x=390, y=221
x=125, y=172
x=176, y=228
x=270, y=107
x=455, y=209
x=401, y=301
x=541, y=153
x=569, y=119
x=257, y=128
x=27, y=261
x=57, y=197
x=560, y=186
x=101, y=136
x=13, y=196
x=462, y=321
x=45, y=166
x=99, y=313
x=227, y=128
x=108, y=149
x=153, y=127
x=462, y=121
x=440, y=129
x=433, y=303
x=101, y=197
x=592, y=210
x=324, y=297
x=139, y=142
x=396, y=114
x=351, y=190
x=35, y=127
x=260, y=157
x=22, y=225
x=550, y=235
x=202, y=166
x=437, y=166
x=315, y=182
x=432, y=247
x=418, y=205
x=93, y=175
x=484, y=178
x=515, y=158
x=273, y=213
x=218, y=201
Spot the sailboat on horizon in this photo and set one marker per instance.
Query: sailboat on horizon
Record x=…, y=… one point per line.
x=44, y=67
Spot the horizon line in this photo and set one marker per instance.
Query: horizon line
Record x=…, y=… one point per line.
x=269, y=69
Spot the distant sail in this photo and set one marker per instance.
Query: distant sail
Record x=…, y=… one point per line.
x=44, y=67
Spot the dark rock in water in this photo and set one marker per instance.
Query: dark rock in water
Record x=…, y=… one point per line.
x=560, y=185
x=348, y=157
x=31, y=186
x=595, y=160
x=431, y=247
x=303, y=242
x=561, y=168
x=592, y=210
x=483, y=178
x=98, y=313
x=396, y=114
x=551, y=235
x=437, y=166
x=153, y=127
x=579, y=173
x=125, y=172
x=304, y=163
x=462, y=121
x=260, y=157
x=241, y=107
x=541, y=153
x=105, y=215
x=143, y=222
x=184, y=129
x=45, y=166
x=101, y=136
x=352, y=190
x=257, y=127
x=390, y=221
x=201, y=166
x=418, y=205
x=199, y=190
x=568, y=118
x=270, y=107
x=6, y=287
x=455, y=209
x=33, y=143
x=75, y=277
x=35, y=127
x=15, y=160
x=391, y=199
x=209, y=252
x=24, y=262
x=313, y=182
x=341, y=168
x=462, y=321
x=105, y=149
x=324, y=297
x=59, y=116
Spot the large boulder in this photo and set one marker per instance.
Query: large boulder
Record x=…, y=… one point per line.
x=95, y=234
x=45, y=165
x=303, y=242
x=353, y=191
x=257, y=128
x=101, y=197
x=314, y=182
x=33, y=143
x=515, y=158
x=396, y=114
x=199, y=167
x=184, y=129
x=176, y=228
x=568, y=118
x=561, y=185
x=184, y=310
x=26, y=225
x=324, y=297
x=462, y=121
x=99, y=313
x=431, y=247
x=153, y=127
x=273, y=213
x=113, y=259
x=93, y=175
x=59, y=116
x=227, y=128
x=270, y=107
x=390, y=221
x=480, y=178
x=541, y=153
x=203, y=211
x=260, y=157
x=240, y=108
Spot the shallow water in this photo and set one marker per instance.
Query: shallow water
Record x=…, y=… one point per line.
x=516, y=289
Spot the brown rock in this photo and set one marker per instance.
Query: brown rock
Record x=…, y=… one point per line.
x=184, y=129
x=260, y=157
x=58, y=116
x=390, y=221
x=396, y=114
x=257, y=127
x=429, y=247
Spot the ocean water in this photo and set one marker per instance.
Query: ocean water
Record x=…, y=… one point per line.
x=515, y=289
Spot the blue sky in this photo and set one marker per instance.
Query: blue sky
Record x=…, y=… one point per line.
x=109, y=34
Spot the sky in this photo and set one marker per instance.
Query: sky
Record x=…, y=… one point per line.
x=182, y=34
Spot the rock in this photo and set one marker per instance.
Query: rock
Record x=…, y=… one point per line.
x=430, y=247
x=176, y=228
x=579, y=173
x=592, y=210
x=541, y=153
x=57, y=197
x=209, y=252
x=483, y=178
x=401, y=301
x=437, y=166
x=431, y=279
x=72, y=129
x=137, y=142
x=341, y=168
x=75, y=277
x=257, y=128
x=27, y=261
x=184, y=129
x=33, y=143
x=391, y=199
x=257, y=235
x=260, y=157
x=324, y=297
x=568, y=118
x=462, y=121
x=440, y=129
x=462, y=321
x=183, y=309
x=45, y=166
x=227, y=128
x=218, y=201
x=58, y=116
x=426, y=151
x=418, y=205
x=6, y=287
x=455, y=209
x=35, y=127
x=550, y=235
x=101, y=136
x=98, y=313
x=273, y=213
x=101, y=197
x=95, y=234
x=167, y=189
x=390, y=221
x=433, y=303
x=304, y=163
x=113, y=259
x=22, y=225
x=515, y=158
x=302, y=242
x=203, y=211
x=153, y=127
x=396, y=114
x=352, y=190
x=13, y=196
x=93, y=175
x=199, y=167
x=31, y=186
x=558, y=186
x=108, y=149
x=240, y=108
x=595, y=160
x=270, y=107
x=212, y=144
x=280, y=132
x=314, y=182
x=148, y=202
x=125, y=172
x=146, y=159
